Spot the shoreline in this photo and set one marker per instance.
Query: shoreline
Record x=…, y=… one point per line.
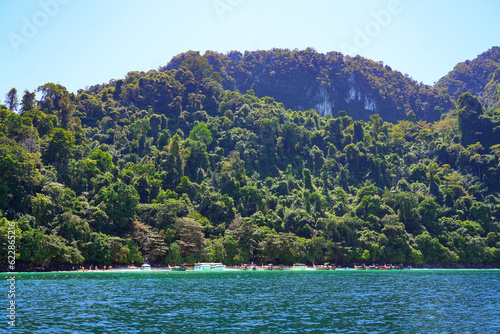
x=28, y=268
x=228, y=270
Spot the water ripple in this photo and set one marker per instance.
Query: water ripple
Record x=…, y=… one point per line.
x=265, y=302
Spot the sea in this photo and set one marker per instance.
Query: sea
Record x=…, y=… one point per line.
x=340, y=301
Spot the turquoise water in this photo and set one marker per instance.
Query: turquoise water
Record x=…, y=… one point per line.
x=258, y=302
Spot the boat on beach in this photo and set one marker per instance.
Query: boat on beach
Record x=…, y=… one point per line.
x=299, y=266
x=178, y=268
x=209, y=266
x=146, y=265
x=325, y=266
x=365, y=267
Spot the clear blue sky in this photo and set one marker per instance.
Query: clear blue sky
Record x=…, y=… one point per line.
x=81, y=43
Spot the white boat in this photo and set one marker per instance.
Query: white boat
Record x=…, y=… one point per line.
x=146, y=266
x=299, y=266
x=209, y=266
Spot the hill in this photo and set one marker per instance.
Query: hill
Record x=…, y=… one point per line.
x=169, y=166
x=481, y=77
x=329, y=83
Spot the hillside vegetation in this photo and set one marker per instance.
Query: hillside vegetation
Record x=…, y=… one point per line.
x=329, y=83
x=170, y=166
x=481, y=77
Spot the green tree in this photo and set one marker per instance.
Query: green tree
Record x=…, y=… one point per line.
x=67, y=113
x=11, y=99
x=119, y=201
x=174, y=163
x=52, y=95
x=20, y=176
x=190, y=239
x=432, y=250
x=174, y=254
x=394, y=243
x=60, y=147
x=42, y=249
x=28, y=101
x=407, y=204
x=198, y=65
x=140, y=128
x=201, y=133
x=428, y=211
x=285, y=248
x=43, y=209
x=97, y=249
x=307, y=180
x=251, y=200
x=359, y=132
x=197, y=163
x=473, y=124
x=103, y=160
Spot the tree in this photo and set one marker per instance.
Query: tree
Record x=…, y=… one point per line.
x=482, y=214
x=42, y=249
x=201, y=133
x=198, y=65
x=359, y=132
x=174, y=163
x=19, y=175
x=434, y=181
x=407, y=204
x=66, y=113
x=52, y=95
x=317, y=249
x=307, y=180
x=11, y=99
x=43, y=209
x=152, y=243
x=174, y=254
x=251, y=200
x=190, y=239
x=432, y=250
x=103, y=160
x=97, y=249
x=60, y=147
x=28, y=101
x=394, y=243
x=155, y=125
x=140, y=128
x=197, y=162
x=428, y=211
x=284, y=248
x=72, y=228
x=119, y=201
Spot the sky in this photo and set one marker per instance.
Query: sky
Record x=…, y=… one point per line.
x=81, y=43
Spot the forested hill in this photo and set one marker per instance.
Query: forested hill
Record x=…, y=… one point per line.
x=169, y=166
x=480, y=77
x=329, y=83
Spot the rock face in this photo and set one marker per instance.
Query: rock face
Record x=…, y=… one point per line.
x=328, y=83
x=326, y=105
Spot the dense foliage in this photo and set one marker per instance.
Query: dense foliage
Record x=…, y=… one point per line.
x=329, y=83
x=480, y=76
x=169, y=166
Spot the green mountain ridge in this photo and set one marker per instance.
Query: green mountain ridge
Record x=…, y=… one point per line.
x=171, y=166
x=329, y=83
x=481, y=77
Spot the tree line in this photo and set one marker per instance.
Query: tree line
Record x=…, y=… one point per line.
x=168, y=165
